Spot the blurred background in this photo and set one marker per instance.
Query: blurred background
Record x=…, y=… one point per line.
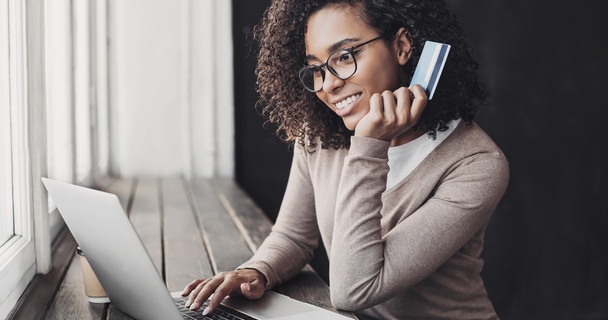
x=160, y=88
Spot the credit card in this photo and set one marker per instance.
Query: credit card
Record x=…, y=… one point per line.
x=430, y=65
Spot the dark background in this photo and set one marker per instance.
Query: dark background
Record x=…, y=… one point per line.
x=544, y=64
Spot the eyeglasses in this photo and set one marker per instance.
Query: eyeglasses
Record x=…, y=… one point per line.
x=341, y=64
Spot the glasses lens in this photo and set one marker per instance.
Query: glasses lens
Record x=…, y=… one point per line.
x=312, y=77
x=342, y=64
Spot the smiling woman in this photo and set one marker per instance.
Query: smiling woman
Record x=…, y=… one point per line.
x=399, y=188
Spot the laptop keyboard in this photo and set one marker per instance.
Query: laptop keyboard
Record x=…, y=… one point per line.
x=221, y=313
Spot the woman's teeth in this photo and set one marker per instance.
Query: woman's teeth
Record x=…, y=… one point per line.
x=347, y=101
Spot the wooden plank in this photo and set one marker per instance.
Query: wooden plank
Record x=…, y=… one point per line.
x=116, y=314
x=71, y=302
x=185, y=254
x=145, y=216
x=226, y=245
x=34, y=302
x=124, y=189
x=140, y=200
x=250, y=219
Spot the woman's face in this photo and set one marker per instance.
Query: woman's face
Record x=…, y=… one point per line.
x=378, y=65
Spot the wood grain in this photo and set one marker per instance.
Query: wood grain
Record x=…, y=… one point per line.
x=145, y=216
x=186, y=256
x=123, y=189
x=71, y=301
x=38, y=295
x=226, y=244
x=248, y=216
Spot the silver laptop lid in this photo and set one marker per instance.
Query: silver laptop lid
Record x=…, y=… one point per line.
x=115, y=252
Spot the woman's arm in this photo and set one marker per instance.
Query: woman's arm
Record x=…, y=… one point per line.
x=281, y=256
x=295, y=234
x=366, y=268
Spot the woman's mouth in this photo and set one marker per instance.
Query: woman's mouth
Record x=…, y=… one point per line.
x=344, y=106
x=347, y=101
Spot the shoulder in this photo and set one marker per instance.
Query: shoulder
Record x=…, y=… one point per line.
x=470, y=146
x=473, y=139
x=467, y=148
x=468, y=168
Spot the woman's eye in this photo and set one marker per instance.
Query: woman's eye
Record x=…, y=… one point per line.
x=345, y=57
x=316, y=70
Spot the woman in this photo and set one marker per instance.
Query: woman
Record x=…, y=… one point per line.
x=399, y=188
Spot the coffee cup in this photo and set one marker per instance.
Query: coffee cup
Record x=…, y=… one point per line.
x=92, y=286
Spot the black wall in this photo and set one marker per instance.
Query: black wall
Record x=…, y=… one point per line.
x=262, y=160
x=545, y=65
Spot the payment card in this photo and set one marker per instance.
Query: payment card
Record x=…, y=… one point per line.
x=430, y=65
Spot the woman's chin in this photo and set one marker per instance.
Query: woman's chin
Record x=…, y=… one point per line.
x=350, y=124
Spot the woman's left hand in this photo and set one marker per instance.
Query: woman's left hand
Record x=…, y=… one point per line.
x=392, y=113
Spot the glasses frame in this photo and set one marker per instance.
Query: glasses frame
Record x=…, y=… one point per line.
x=325, y=66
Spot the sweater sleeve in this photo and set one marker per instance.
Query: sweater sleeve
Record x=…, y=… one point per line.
x=295, y=234
x=368, y=268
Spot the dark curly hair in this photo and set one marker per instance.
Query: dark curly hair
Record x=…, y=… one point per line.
x=299, y=114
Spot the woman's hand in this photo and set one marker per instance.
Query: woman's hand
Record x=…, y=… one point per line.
x=392, y=113
x=247, y=282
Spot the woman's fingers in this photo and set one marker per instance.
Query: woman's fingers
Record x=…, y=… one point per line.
x=223, y=290
x=247, y=282
x=253, y=290
x=191, y=287
x=419, y=102
x=392, y=113
x=390, y=103
x=202, y=292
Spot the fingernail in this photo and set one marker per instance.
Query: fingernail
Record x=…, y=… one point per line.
x=194, y=306
x=188, y=303
x=206, y=311
x=247, y=287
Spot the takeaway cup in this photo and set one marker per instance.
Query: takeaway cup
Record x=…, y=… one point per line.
x=92, y=287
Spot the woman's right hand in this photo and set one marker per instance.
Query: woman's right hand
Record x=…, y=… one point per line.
x=246, y=282
x=392, y=113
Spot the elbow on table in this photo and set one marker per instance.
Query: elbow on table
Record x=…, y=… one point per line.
x=349, y=300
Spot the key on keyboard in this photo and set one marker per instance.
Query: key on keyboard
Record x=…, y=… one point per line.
x=221, y=313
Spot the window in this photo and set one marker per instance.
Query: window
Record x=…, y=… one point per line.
x=17, y=249
x=48, y=126
x=6, y=188
x=55, y=113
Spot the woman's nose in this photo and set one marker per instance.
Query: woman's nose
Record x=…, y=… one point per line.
x=331, y=83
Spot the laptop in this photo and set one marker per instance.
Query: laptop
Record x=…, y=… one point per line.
x=119, y=259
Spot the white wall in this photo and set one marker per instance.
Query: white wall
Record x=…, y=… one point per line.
x=171, y=112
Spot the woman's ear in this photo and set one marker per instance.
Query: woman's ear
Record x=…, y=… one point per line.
x=403, y=46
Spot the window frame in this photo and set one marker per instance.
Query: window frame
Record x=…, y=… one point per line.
x=18, y=254
x=6, y=189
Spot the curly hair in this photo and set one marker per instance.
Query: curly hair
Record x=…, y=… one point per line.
x=300, y=116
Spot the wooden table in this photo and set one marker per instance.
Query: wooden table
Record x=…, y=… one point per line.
x=191, y=229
